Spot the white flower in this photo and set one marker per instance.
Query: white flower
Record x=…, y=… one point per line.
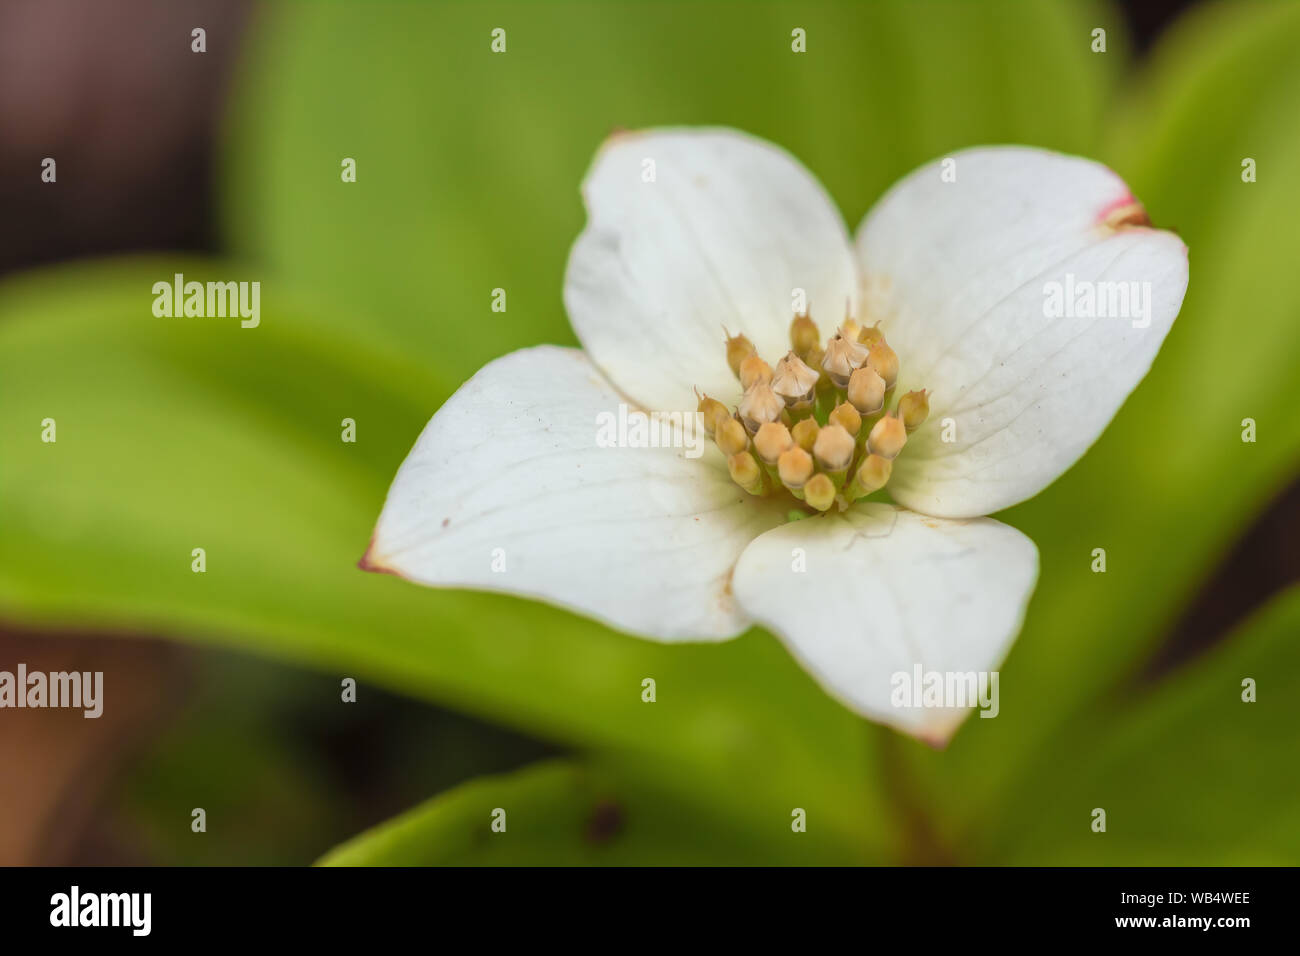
x=507, y=489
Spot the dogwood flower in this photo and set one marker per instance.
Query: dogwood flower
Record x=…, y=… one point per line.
x=934, y=361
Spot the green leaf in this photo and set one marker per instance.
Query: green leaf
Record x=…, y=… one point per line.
x=1170, y=485
x=564, y=814
x=1189, y=774
x=184, y=433
x=469, y=162
x=1182, y=132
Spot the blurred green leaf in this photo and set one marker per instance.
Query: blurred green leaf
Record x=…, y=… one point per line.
x=175, y=434
x=563, y=814
x=1188, y=773
x=1183, y=132
x=1170, y=485
x=469, y=162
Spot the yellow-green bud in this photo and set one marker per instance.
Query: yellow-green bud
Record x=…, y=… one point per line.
x=731, y=437
x=746, y=473
x=795, y=467
x=771, y=440
x=712, y=411
x=872, y=475
x=847, y=417
x=814, y=359
x=841, y=358
x=805, y=432
x=834, y=448
x=739, y=348
x=887, y=438
x=753, y=369
x=913, y=408
x=866, y=390
x=794, y=381
x=870, y=335
x=819, y=492
x=804, y=336
x=885, y=361
x=760, y=405
x=850, y=328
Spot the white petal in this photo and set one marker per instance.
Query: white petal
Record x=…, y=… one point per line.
x=958, y=273
x=727, y=230
x=509, y=475
x=885, y=590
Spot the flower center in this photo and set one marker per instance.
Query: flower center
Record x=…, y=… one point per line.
x=819, y=426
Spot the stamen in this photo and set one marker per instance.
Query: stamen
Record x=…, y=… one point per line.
x=795, y=467
x=834, y=448
x=819, y=492
x=771, y=441
x=913, y=408
x=814, y=360
x=754, y=369
x=847, y=417
x=795, y=382
x=872, y=475
x=887, y=438
x=870, y=335
x=731, y=437
x=804, y=336
x=805, y=432
x=712, y=411
x=866, y=390
x=885, y=361
x=843, y=356
x=739, y=348
x=774, y=439
x=849, y=326
x=746, y=473
x=760, y=405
